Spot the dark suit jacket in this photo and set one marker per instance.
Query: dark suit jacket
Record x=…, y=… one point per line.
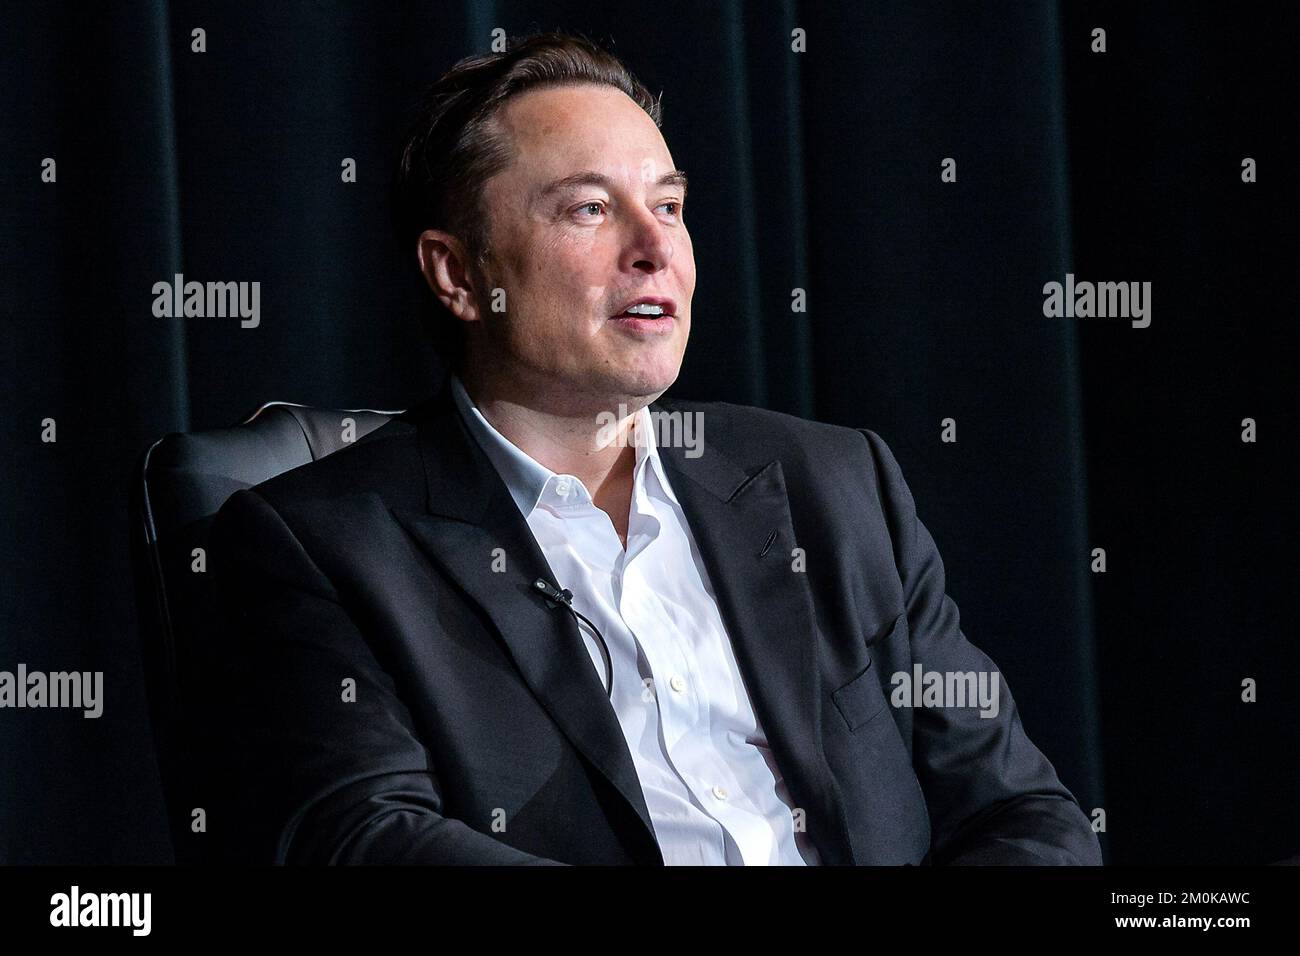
x=481, y=733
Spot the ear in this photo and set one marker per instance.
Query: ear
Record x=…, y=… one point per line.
x=444, y=263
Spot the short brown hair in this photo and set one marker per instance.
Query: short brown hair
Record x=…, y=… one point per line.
x=453, y=147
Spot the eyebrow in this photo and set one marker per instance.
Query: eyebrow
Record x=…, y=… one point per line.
x=588, y=177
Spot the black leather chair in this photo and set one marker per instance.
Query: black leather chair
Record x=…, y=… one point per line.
x=183, y=480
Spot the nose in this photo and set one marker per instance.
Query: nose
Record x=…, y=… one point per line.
x=648, y=245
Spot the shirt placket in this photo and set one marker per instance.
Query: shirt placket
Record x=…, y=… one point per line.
x=683, y=708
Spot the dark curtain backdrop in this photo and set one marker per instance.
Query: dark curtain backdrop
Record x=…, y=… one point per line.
x=818, y=171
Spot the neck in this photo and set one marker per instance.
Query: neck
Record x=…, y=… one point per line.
x=579, y=435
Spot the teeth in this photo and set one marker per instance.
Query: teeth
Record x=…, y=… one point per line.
x=646, y=308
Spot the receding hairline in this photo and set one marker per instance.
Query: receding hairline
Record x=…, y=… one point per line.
x=499, y=131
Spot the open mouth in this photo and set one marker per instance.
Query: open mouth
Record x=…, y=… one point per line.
x=634, y=322
x=647, y=314
x=643, y=314
x=650, y=316
x=650, y=307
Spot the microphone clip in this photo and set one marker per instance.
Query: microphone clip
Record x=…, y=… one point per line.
x=554, y=597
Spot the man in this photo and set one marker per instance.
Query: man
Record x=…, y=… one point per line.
x=524, y=623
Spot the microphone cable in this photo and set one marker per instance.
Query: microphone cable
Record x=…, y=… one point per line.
x=555, y=597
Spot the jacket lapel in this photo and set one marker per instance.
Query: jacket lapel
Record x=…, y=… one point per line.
x=742, y=526
x=471, y=520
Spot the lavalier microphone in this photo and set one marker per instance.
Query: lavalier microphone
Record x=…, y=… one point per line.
x=556, y=597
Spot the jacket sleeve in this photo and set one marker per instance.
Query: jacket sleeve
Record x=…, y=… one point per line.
x=993, y=797
x=319, y=775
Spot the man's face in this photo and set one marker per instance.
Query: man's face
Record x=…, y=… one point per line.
x=570, y=255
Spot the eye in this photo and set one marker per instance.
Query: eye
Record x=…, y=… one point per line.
x=677, y=207
x=596, y=204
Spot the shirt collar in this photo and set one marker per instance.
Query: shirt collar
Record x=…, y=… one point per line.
x=526, y=478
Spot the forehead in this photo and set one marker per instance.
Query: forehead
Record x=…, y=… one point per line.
x=558, y=130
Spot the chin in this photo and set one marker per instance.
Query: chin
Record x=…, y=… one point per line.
x=635, y=375
x=641, y=383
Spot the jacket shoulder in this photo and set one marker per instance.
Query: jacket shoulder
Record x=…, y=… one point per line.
x=385, y=462
x=749, y=434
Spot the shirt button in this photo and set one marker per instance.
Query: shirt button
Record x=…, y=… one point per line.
x=720, y=793
x=677, y=683
x=562, y=489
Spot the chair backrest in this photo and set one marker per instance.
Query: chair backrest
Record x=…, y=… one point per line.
x=183, y=480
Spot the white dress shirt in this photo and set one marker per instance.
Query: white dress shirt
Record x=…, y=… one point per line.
x=710, y=781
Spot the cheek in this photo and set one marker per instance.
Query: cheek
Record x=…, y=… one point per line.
x=565, y=260
x=684, y=257
x=565, y=248
x=558, y=282
x=572, y=275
